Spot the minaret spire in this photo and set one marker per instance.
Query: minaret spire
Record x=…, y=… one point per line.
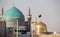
x=1, y=14
x=29, y=14
x=2, y=10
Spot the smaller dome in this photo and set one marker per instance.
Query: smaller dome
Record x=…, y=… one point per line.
x=40, y=27
x=41, y=24
x=12, y=13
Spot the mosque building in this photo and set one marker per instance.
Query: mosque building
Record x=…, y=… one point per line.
x=13, y=24
x=13, y=17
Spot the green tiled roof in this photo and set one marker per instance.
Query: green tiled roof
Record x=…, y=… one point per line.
x=11, y=13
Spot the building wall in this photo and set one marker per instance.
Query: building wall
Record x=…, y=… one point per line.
x=24, y=35
x=2, y=28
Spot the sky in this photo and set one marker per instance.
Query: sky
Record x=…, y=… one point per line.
x=49, y=9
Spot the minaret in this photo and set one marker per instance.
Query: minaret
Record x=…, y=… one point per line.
x=29, y=17
x=2, y=10
x=29, y=22
x=1, y=14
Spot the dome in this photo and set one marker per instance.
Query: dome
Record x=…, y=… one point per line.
x=12, y=13
x=40, y=27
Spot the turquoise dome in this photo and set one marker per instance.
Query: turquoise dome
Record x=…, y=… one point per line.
x=12, y=13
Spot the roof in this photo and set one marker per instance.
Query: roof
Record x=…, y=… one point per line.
x=13, y=13
x=42, y=24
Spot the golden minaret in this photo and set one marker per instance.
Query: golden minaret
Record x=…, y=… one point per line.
x=39, y=27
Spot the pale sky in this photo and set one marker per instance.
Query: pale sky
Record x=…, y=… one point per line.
x=49, y=9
